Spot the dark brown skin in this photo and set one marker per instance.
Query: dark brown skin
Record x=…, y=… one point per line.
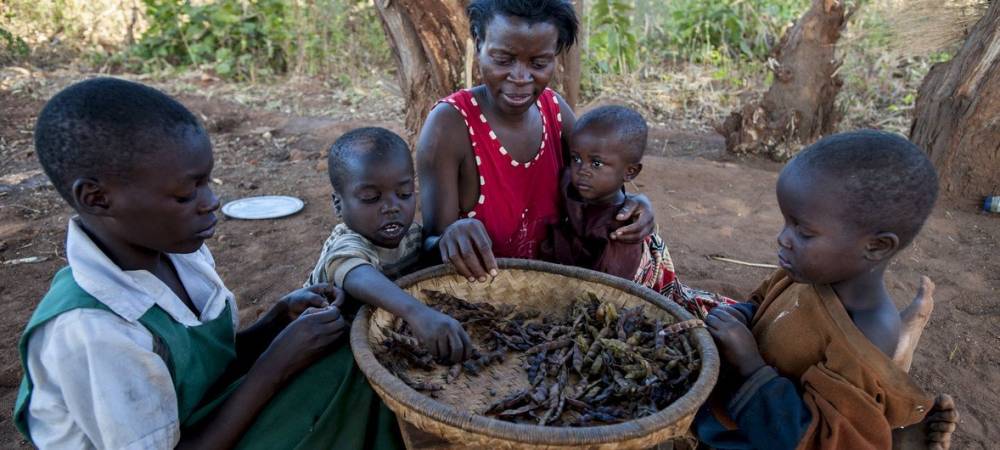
x=817, y=246
x=166, y=205
x=932, y=433
x=516, y=61
x=378, y=203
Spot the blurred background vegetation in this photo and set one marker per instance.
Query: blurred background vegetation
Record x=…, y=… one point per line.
x=676, y=60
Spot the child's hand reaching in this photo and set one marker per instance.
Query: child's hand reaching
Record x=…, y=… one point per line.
x=441, y=334
x=736, y=343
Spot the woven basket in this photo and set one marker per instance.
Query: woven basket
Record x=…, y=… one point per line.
x=547, y=287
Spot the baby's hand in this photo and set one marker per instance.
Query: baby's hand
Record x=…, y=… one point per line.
x=735, y=341
x=441, y=334
x=316, y=296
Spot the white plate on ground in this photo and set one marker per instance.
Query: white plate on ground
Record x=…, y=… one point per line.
x=263, y=207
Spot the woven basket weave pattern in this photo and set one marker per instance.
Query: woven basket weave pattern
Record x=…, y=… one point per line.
x=546, y=287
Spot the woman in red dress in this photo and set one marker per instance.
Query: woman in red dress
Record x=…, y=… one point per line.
x=489, y=157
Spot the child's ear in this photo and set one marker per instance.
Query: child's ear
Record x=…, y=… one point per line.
x=632, y=171
x=337, y=206
x=881, y=246
x=91, y=197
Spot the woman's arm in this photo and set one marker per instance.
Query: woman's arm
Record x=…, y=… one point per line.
x=440, y=154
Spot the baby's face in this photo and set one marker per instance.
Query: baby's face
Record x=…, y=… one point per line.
x=378, y=201
x=818, y=243
x=599, y=166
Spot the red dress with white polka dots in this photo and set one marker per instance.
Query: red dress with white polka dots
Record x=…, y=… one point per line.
x=517, y=199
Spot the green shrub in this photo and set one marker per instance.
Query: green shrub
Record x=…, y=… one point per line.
x=12, y=47
x=244, y=39
x=612, y=47
x=741, y=29
x=237, y=39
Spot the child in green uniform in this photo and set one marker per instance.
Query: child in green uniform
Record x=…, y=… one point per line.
x=135, y=343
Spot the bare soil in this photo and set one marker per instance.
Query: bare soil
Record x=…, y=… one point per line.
x=706, y=203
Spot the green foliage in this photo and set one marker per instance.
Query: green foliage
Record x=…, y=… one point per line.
x=624, y=32
x=237, y=39
x=12, y=47
x=245, y=39
x=739, y=29
x=334, y=37
x=613, y=47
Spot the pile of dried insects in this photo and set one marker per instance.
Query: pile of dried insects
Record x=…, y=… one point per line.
x=596, y=365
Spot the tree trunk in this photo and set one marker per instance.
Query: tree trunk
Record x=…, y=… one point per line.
x=567, y=79
x=799, y=106
x=957, y=113
x=429, y=39
x=436, y=56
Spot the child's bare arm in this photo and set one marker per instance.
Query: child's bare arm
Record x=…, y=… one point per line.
x=440, y=333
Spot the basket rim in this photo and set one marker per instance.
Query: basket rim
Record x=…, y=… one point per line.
x=687, y=404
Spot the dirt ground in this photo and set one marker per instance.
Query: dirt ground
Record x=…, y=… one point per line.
x=706, y=203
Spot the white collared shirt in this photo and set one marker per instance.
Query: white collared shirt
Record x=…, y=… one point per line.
x=97, y=381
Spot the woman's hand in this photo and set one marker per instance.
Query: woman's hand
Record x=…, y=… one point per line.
x=467, y=246
x=637, y=208
x=736, y=343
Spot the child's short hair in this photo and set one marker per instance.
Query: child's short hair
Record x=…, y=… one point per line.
x=629, y=125
x=889, y=182
x=102, y=126
x=371, y=144
x=559, y=13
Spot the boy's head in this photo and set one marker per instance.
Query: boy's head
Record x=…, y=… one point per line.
x=134, y=163
x=851, y=201
x=606, y=149
x=371, y=171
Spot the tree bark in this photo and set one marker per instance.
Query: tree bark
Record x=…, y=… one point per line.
x=429, y=39
x=435, y=54
x=799, y=107
x=957, y=113
x=567, y=79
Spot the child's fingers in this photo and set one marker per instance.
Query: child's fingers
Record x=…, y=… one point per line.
x=311, y=310
x=455, y=345
x=329, y=293
x=944, y=403
x=944, y=427
x=326, y=315
x=938, y=438
x=713, y=323
x=729, y=314
x=466, y=344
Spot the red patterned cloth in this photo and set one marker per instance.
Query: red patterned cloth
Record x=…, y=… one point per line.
x=656, y=271
x=517, y=199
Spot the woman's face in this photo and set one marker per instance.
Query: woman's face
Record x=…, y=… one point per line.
x=516, y=60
